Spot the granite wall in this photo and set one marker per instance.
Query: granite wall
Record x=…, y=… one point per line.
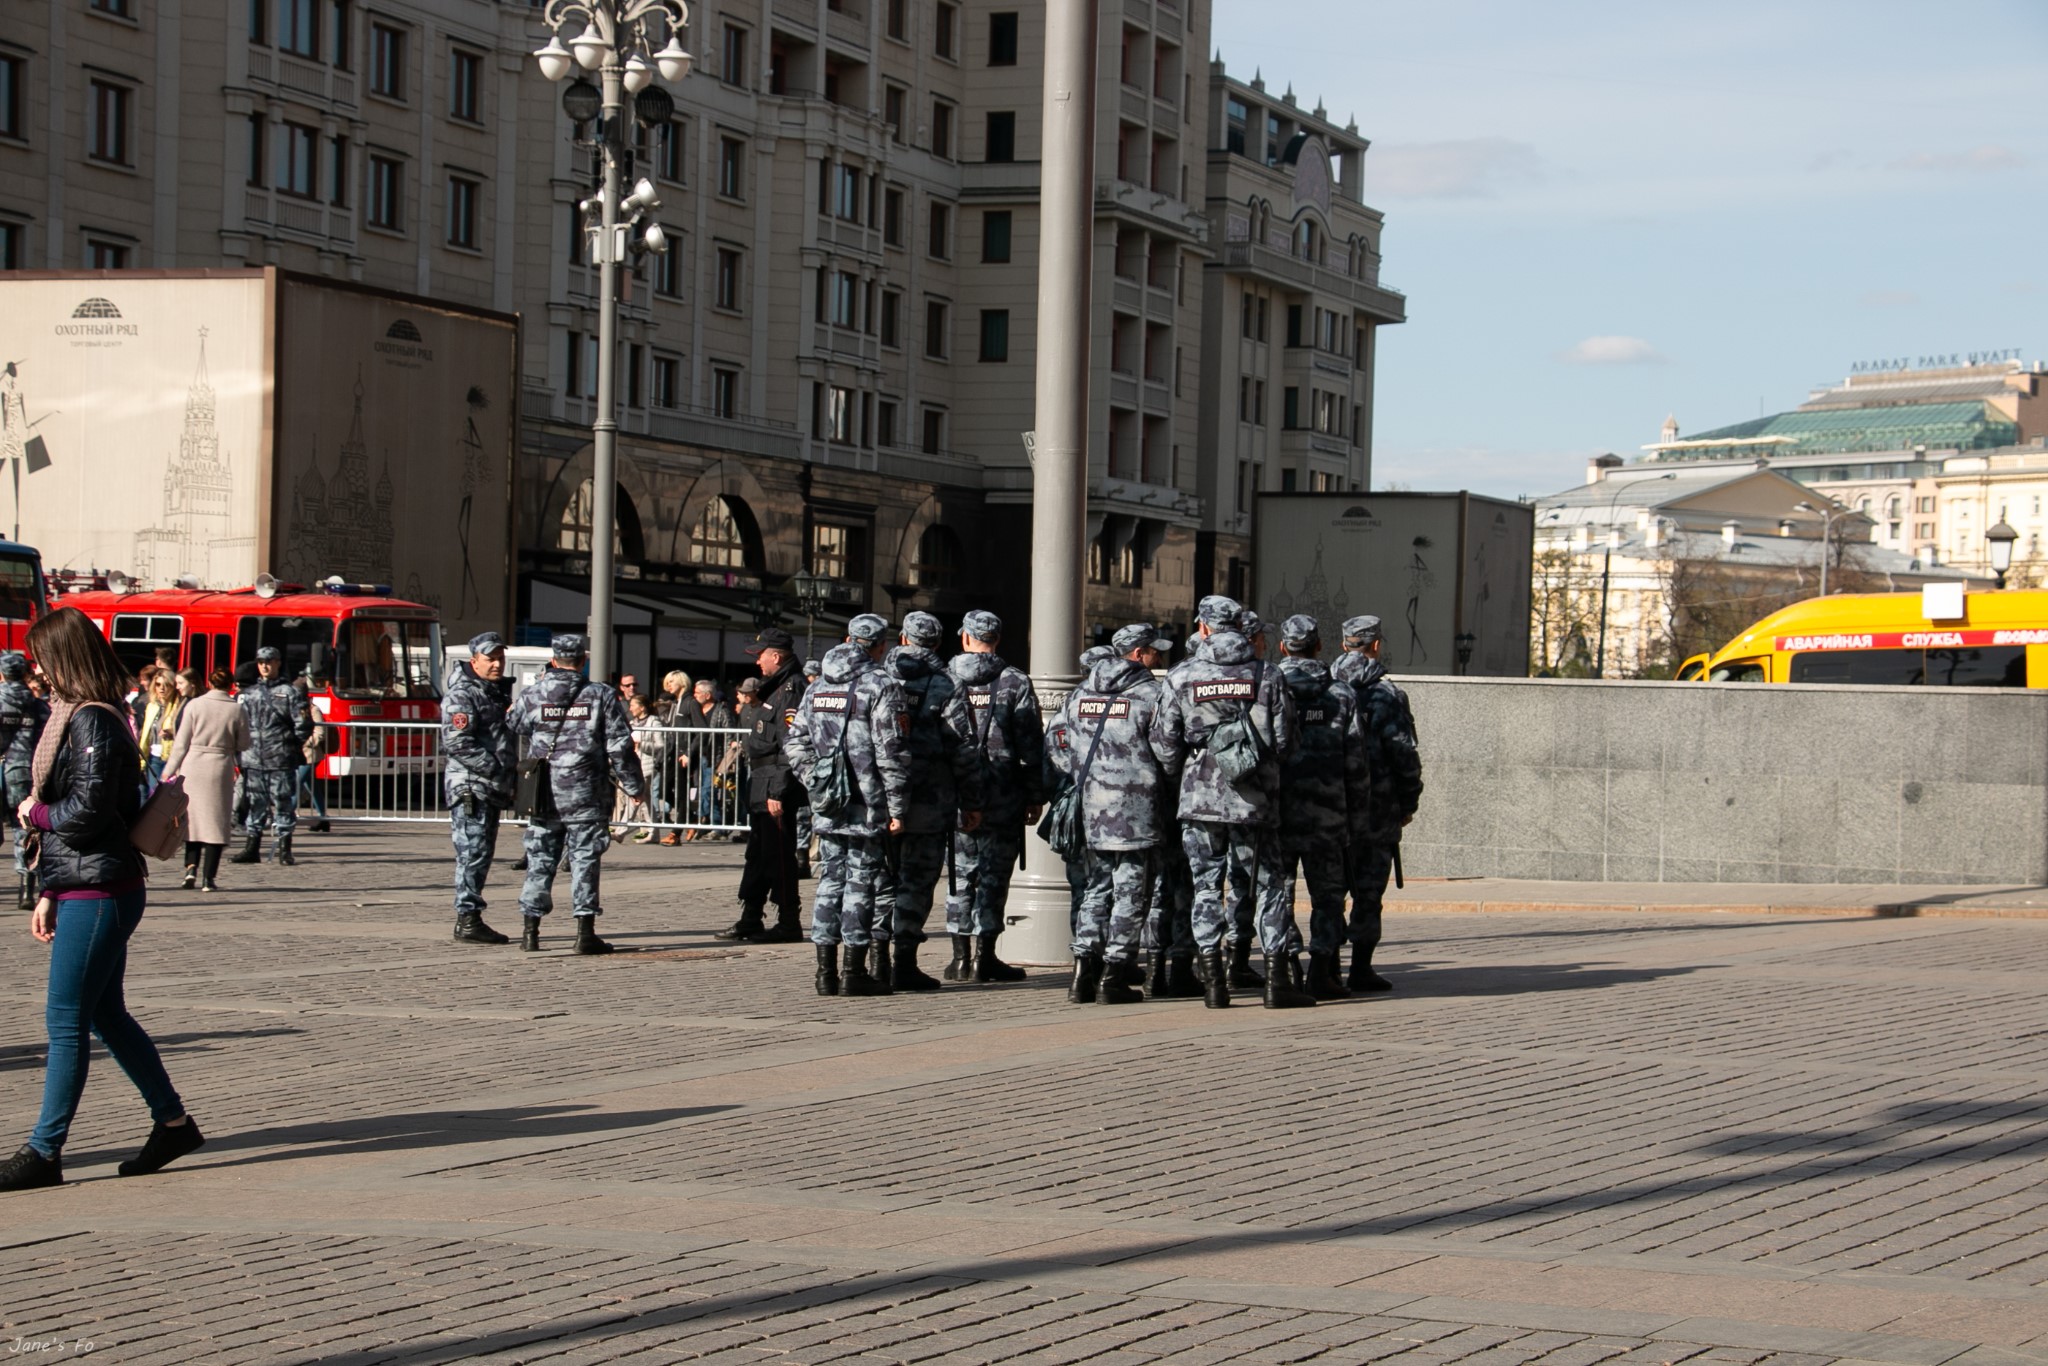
x=1660, y=782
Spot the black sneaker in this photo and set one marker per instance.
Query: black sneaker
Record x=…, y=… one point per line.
x=28, y=1169
x=166, y=1144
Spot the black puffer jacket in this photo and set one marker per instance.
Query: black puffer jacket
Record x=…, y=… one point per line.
x=92, y=795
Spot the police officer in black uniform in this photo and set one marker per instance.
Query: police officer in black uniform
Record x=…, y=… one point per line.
x=774, y=796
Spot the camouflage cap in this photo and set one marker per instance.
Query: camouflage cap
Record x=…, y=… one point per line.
x=867, y=628
x=269, y=654
x=1219, y=613
x=813, y=667
x=922, y=628
x=1139, y=635
x=1301, y=631
x=569, y=645
x=1361, y=630
x=13, y=666
x=1251, y=623
x=486, y=643
x=983, y=625
x=1096, y=654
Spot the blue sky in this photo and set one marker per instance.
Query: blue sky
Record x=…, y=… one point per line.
x=1605, y=212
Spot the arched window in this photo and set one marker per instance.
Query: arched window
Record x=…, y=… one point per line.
x=938, y=558
x=574, y=535
x=1305, y=240
x=724, y=535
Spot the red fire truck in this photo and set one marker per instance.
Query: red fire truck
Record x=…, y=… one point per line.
x=23, y=593
x=371, y=657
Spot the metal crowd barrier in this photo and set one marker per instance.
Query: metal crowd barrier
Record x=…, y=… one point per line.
x=392, y=771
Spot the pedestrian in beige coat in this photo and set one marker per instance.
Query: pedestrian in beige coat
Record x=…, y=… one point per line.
x=212, y=733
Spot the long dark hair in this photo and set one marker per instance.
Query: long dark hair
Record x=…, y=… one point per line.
x=80, y=664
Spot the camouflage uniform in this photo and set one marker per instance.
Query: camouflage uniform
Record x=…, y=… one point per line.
x=858, y=704
x=22, y=715
x=580, y=728
x=1396, y=790
x=944, y=781
x=1109, y=726
x=1322, y=785
x=1009, y=745
x=280, y=723
x=481, y=772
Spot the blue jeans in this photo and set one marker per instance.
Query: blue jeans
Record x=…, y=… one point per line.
x=87, y=962
x=307, y=782
x=152, y=772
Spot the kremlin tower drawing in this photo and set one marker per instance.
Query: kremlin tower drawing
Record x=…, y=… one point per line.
x=342, y=525
x=195, y=537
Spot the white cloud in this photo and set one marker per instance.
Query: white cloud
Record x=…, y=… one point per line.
x=1612, y=351
x=1470, y=168
x=1890, y=298
x=1989, y=157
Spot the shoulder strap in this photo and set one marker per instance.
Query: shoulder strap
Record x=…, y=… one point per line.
x=1101, y=725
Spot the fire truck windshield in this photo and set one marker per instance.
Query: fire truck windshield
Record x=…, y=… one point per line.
x=21, y=589
x=385, y=658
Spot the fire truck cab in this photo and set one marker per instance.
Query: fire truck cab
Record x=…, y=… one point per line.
x=371, y=658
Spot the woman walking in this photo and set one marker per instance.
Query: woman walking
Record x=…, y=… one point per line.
x=211, y=737
x=160, y=723
x=82, y=800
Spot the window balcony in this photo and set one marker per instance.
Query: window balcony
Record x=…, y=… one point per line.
x=1293, y=273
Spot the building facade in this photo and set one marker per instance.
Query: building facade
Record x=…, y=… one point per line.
x=833, y=366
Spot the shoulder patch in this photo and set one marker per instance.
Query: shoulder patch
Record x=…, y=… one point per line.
x=459, y=721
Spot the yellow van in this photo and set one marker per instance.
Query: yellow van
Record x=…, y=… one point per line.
x=1975, y=640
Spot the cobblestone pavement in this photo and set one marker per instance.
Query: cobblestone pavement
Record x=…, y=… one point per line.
x=1567, y=1138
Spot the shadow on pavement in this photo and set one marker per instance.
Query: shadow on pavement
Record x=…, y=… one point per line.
x=1518, y=979
x=15, y=1057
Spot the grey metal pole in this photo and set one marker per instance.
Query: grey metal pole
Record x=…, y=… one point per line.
x=1606, y=572
x=1827, y=526
x=1040, y=921
x=605, y=431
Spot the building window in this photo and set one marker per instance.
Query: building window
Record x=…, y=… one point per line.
x=892, y=216
x=108, y=136
x=939, y=240
x=1002, y=137
x=636, y=394
x=895, y=99
x=942, y=129
x=387, y=62
x=728, y=282
x=944, y=22
x=995, y=334
x=717, y=537
x=298, y=160
x=462, y=193
x=1002, y=38
x=669, y=161
x=465, y=74
x=935, y=329
x=105, y=255
x=1290, y=408
x=387, y=193
x=259, y=141
x=892, y=319
x=995, y=236
x=845, y=299
x=938, y=558
x=259, y=21
x=725, y=392
x=10, y=246
x=337, y=164
x=885, y=422
x=13, y=77
x=1236, y=116
x=934, y=430
x=846, y=193
x=343, y=48
x=298, y=27
x=732, y=57
x=664, y=382
x=668, y=268
x=731, y=172
x=839, y=408
x=839, y=552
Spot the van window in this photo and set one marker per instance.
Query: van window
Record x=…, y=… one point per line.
x=1738, y=671
x=2000, y=666
x=295, y=637
x=137, y=636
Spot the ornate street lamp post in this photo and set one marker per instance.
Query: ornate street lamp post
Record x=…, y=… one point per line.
x=1999, y=541
x=811, y=592
x=618, y=42
x=1827, y=529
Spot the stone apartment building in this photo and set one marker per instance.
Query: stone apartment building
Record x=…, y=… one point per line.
x=833, y=366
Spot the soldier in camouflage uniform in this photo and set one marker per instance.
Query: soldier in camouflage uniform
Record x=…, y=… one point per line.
x=945, y=794
x=481, y=772
x=1396, y=790
x=1106, y=738
x=1322, y=784
x=804, y=834
x=1229, y=827
x=1009, y=744
x=22, y=715
x=280, y=723
x=854, y=715
x=580, y=728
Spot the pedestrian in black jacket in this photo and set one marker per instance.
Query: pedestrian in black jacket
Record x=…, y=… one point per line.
x=774, y=796
x=85, y=793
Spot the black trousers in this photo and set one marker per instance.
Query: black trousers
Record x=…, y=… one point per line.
x=770, y=873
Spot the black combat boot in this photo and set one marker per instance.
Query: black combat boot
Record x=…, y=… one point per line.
x=907, y=975
x=1181, y=981
x=1130, y=973
x=1323, y=982
x=1242, y=973
x=989, y=968
x=1155, y=982
x=1282, y=993
x=284, y=852
x=883, y=973
x=1114, y=989
x=1363, y=978
x=28, y=1169
x=785, y=930
x=853, y=978
x=1087, y=977
x=1215, y=979
x=251, y=851
x=529, y=939
x=828, y=969
x=748, y=927
x=586, y=936
x=321, y=827
x=961, y=969
x=470, y=929
x=519, y=864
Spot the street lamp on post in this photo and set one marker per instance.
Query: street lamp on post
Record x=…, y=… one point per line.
x=1827, y=527
x=1999, y=541
x=617, y=42
x=811, y=592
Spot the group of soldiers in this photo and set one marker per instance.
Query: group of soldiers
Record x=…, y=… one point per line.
x=1198, y=797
